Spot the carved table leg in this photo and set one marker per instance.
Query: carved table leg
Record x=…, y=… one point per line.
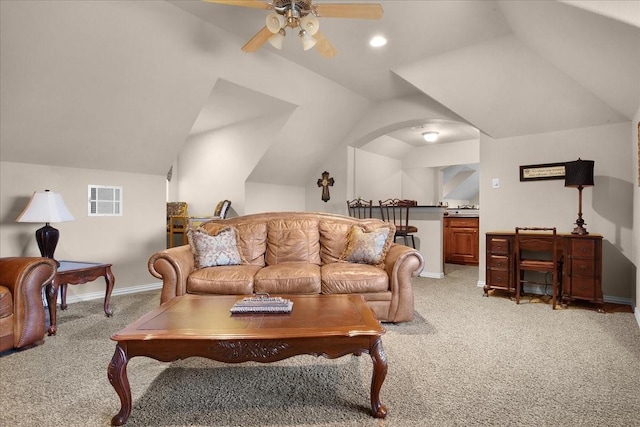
x=110, y=281
x=52, y=296
x=117, y=373
x=380, y=366
x=63, y=296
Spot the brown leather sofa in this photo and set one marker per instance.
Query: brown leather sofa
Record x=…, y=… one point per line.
x=296, y=253
x=22, y=317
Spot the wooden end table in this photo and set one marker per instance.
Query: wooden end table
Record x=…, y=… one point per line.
x=76, y=273
x=195, y=325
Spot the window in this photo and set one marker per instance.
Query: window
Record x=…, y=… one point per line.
x=105, y=200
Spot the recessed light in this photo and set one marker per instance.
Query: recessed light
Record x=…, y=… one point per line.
x=378, y=41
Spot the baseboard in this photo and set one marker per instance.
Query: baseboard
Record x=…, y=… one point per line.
x=431, y=275
x=117, y=291
x=540, y=289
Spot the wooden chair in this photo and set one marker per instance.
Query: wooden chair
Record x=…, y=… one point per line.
x=359, y=208
x=177, y=222
x=533, y=248
x=222, y=208
x=396, y=211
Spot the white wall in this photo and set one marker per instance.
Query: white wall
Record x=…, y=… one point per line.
x=125, y=241
x=607, y=207
x=635, y=166
x=377, y=177
x=422, y=184
x=273, y=198
x=215, y=165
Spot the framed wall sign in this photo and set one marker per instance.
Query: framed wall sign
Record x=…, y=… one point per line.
x=542, y=172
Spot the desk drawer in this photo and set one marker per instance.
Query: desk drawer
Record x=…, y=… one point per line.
x=499, y=262
x=583, y=248
x=499, y=246
x=582, y=267
x=499, y=279
x=583, y=287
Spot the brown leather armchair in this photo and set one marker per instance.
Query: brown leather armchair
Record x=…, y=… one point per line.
x=22, y=317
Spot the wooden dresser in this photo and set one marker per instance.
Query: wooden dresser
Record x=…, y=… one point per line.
x=581, y=269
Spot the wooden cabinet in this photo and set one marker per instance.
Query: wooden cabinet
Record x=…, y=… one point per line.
x=461, y=240
x=581, y=268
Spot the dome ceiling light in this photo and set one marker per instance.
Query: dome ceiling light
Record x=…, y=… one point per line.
x=430, y=136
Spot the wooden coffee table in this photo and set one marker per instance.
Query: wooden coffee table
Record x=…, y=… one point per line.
x=192, y=325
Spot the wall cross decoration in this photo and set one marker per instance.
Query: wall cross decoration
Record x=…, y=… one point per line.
x=325, y=182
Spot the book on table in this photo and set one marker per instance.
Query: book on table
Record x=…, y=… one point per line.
x=262, y=303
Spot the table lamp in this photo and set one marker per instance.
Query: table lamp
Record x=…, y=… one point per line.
x=47, y=207
x=579, y=174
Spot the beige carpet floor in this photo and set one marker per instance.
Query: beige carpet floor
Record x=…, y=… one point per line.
x=465, y=360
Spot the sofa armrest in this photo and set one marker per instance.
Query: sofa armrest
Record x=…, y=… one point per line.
x=173, y=266
x=25, y=278
x=402, y=263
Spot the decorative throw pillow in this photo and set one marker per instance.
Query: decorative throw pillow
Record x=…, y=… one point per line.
x=367, y=246
x=211, y=250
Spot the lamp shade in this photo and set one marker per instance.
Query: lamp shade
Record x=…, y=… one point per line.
x=45, y=206
x=307, y=41
x=579, y=173
x=277, y=39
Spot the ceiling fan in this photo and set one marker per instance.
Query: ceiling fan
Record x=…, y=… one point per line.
x=302, y=14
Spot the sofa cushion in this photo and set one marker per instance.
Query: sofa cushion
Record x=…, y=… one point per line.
x=252, y=240
x=6, y=302
x=334, y=237
x=289, y=278
x=293, y=240
x=368, y=246
x=215, y=249
x=347, y=278
x=227, y=280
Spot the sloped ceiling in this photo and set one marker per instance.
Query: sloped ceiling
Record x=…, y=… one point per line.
x=229, y=104
x=122, y=85
x=98, y=85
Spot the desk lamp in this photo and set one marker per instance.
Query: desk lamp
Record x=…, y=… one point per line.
x=579, y=174
x=47, y=207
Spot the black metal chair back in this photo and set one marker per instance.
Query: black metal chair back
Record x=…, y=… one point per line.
x=359, y=208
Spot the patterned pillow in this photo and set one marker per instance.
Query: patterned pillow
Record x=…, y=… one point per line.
x=211, y=250
x=367, y=246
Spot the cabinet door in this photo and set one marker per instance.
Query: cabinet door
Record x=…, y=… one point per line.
x=464, y=245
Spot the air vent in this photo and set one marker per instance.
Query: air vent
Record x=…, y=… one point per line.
x=105, y=200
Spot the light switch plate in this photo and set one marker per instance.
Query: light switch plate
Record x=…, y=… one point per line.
x=495, y=183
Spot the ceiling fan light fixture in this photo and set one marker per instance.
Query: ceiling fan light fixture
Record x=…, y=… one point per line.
x=307, y=41
x=430, y=136
x=275, y=22
x=378, y=41
x=277, y=39
x=310, y=24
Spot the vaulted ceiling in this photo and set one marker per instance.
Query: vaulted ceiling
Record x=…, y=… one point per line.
x=122, y=85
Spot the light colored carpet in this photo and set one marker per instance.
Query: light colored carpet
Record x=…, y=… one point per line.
x=465, y=360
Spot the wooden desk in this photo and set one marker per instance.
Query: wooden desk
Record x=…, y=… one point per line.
x=581, y=269
x=76, y=273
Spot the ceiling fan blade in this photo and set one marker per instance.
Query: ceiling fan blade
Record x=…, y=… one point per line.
x=258, y=40
x=349, y=10
x=256, y=4
x=324, y=46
